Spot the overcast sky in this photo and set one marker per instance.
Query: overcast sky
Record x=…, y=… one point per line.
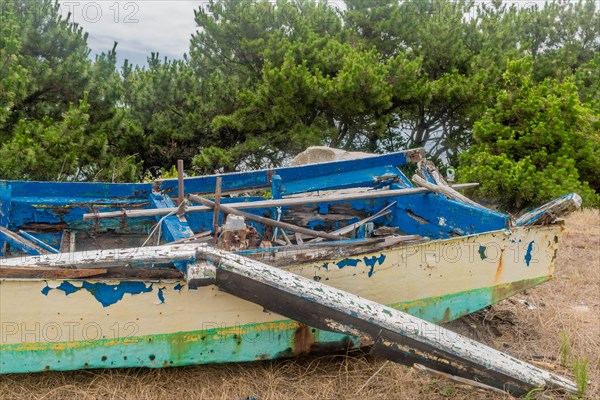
x=140, y=27
x=143, y=26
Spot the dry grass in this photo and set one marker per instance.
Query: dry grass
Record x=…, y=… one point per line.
x=569, y=305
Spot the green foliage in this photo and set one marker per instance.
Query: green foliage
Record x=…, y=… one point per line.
x=212, y=159
x=580, y=371
x=163, y=119
x=44, y=72
x=263, y=80
x=537, y=143
x=533, y=393
x=59, y=150
x=45, y=149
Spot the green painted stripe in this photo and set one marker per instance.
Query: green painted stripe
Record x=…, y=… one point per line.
x=233, y=344
x=453, y=306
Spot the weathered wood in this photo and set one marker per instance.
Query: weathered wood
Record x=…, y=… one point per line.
x=289, y=202
x=551, y=211
x=37, y=241
x=454, y=378
x=67, y=242
x=172, y=227
x=135, y=257
x=200, y=274
x=21, y=243
x=49, y=272
x=108, y=273
x=447, y=191
x=347, y=229
x=298, y=179
x=266, y=221
x=152, y=273
x=426, y=168
x=286, y=238
x=180, y=188
x=301, y=254
x=337, y=214
x=398, y=336
x=197, y=236
x=215, y=223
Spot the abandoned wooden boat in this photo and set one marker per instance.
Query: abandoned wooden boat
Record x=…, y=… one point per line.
x=99, y=275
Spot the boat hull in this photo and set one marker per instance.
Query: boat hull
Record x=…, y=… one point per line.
x=67, y=325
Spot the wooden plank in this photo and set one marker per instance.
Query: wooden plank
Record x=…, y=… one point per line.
x=18, y=242
x=173, y=227
x=197, y=236
x=398, y=336
x=276, y=203
x=551, y=211
x=133, y=257
x=312, y=252
x=180, y=187
x=206, y=184
x=49, y=273
x=134, y=260
x=37, y=241
x=67, y=242
x=347, y=229
x=303, y=178
x=447, y=191
x=216, y=209
x=266, y=221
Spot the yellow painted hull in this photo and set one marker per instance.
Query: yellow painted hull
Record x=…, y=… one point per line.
x=63, y=325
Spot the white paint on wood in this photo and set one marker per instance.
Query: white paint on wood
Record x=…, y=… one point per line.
x=429, y=334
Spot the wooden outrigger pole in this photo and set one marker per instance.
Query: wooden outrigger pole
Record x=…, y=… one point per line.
x=397, y=336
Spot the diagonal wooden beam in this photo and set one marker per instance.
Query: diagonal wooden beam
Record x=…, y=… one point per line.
x=21, y=243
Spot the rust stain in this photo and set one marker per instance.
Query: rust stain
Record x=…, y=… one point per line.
x=500, y=268
x=446, y=315
x=303, y=339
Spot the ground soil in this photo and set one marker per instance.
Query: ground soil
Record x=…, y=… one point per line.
x=532, y=326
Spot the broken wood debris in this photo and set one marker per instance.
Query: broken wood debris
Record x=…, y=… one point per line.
x=266, y=221
x=349, y=228
x=551, y=211
x=28, y=246
x=288, y=202
x=447, y=191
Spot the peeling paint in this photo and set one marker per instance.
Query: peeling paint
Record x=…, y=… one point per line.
x=372, y=261
x=161, y=296
x=482, y=252
x=106, y=294
x=352, y=262
x=528, y=255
